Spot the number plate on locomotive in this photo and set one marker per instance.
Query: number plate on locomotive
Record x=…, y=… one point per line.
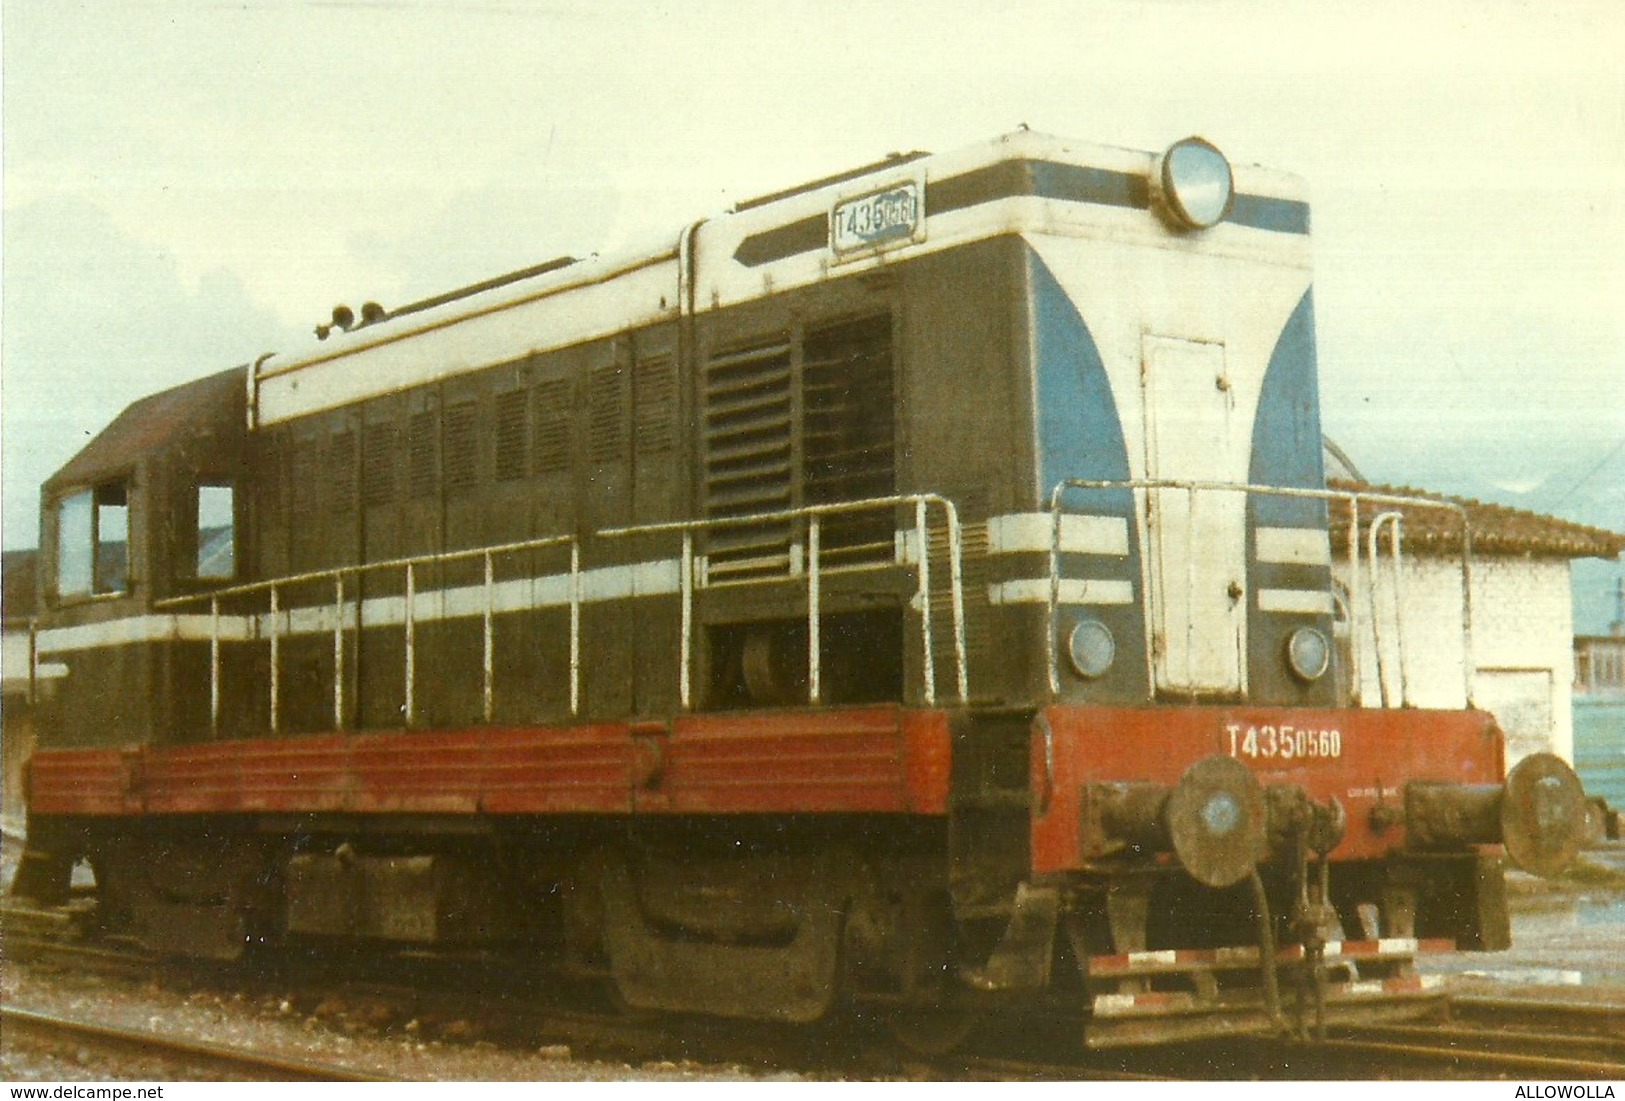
x=1283, y=743
x=878, y=218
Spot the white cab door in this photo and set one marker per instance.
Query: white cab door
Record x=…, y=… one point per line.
x=1196, y=545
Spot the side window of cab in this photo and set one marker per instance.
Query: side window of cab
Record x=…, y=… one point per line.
x=215, y=516
x=93, y=541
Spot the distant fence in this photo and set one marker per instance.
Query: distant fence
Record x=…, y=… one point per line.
x=1599, y=747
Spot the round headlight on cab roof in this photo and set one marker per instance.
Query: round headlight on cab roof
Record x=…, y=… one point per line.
x=1193, y=184
x=1308, y=653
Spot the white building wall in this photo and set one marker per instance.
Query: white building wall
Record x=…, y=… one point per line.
x=1522, y=643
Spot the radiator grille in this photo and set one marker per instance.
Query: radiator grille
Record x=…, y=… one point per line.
x=462, y=448
x=749, y=456
x=422, y=454
x=848, y=427
x=553, y=418
x=656, y=407
x=512, y=407
x=379, y=460
x=341, y=472
x=607, y=415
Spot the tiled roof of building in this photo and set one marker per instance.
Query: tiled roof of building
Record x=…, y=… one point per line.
x=1496, y=529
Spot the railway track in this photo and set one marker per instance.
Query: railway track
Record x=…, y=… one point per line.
x=26, y=1028
x=101, y=960
x=1603, y=1019
x=1474, y=1051
x=1486, y=1037
x=1464, y=1054
x=1522, y=1036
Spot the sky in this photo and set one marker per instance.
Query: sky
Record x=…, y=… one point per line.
x=189, y=184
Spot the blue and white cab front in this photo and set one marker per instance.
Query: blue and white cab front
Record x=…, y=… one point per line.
x=1172, y=336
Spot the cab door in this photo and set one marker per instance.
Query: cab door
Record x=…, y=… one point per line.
x=1195, y=538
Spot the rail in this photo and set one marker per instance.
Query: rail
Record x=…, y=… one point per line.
x=215, y=1060
x=1390, y=517
x=278, y=620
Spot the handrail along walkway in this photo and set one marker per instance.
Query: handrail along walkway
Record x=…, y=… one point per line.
x=812, y=515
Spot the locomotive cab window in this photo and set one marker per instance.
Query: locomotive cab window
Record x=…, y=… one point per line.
x=93, y=541
x=216, y=532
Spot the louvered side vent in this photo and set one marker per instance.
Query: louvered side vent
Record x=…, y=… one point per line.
x=341, y=472
x=655, y=411
x=272, y=504
x=305, y=478
x=273, y=490
x=849, y=428
x=379, y=461
x=552, y=454
x=607, y=415
x=306, y=466
x=512, y=430
x=422, y=455
x=462, y=448
x=748, y=461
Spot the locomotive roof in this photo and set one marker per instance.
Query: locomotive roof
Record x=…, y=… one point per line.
x=154, y=425
x=765, y=245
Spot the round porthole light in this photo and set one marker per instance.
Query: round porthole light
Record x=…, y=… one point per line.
x=1309, y=653
x=1194, y=184
x=1091, y=648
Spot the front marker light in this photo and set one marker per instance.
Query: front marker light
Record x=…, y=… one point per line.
x=1308, y=653
x=1091, y=648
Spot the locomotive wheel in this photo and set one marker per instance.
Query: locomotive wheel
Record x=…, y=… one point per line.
x=774, y=663
x=932, y=1032
x=902, y=946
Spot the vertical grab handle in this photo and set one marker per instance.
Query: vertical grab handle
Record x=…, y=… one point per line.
x=214, y=666
x=338, y=651
x=575, y=628
x=1373, y=552
x=409, y=705
x=488, y=643
x=927, y=643
x=276, y=662
x=1356, y=672
x=814, y=689
x=685, y=643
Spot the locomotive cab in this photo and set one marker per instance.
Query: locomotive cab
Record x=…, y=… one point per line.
x=145, y=512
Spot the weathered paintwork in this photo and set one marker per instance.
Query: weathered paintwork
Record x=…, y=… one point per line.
x=872, y=760
x=1377, y=753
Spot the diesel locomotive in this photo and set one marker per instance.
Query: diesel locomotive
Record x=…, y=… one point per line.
x=916, y=592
